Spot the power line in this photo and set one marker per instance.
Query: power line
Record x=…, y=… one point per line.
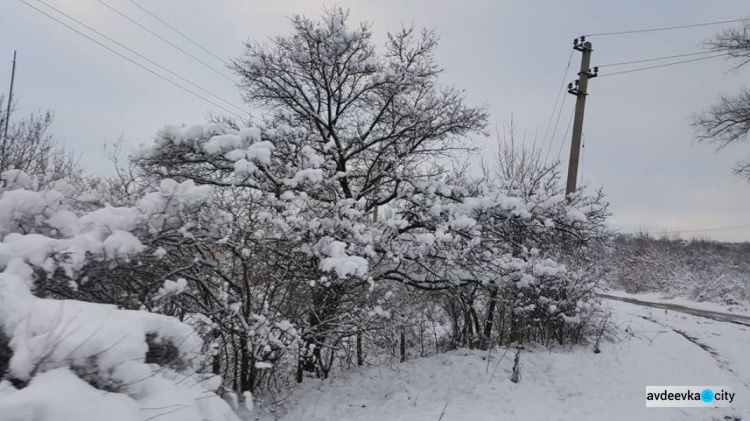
x=663, y=65
x=142, y=56
x=655, y=59
x=557, y=101
x=166, y=41
x=565, y=136
x=179, y=32
x=666, y=28
x=554, y=131
x=129, y=59
x=536, y=136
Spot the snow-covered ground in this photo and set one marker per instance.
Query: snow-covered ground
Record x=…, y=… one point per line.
x=655, y=348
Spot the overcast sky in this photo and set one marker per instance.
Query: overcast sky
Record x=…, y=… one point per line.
x=508, y=54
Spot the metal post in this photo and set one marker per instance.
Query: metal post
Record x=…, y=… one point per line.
x=7, y=115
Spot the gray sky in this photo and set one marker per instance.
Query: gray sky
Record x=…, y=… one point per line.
x=507, y=54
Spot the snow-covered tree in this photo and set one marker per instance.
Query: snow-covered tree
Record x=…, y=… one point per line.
x=31, y=148
x=350, y=132
x=340, y=189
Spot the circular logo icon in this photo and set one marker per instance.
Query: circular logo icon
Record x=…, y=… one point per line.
x=707, y=395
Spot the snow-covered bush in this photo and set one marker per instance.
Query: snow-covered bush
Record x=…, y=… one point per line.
x=697, y=270
x=543, y=290
x=59, y=356
x=555, y=299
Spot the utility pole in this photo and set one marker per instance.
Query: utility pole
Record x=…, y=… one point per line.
x=579, y=88
x=7, y=114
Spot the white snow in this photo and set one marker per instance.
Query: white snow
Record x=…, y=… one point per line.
x=51, y=339
x=313, y=175
x=558, y=384
x=16, y=179
x=58, y=333
x=342, y=263
x=171, y=288
x=61, y=396
x=260, y=151
x=244, y=167
x=222, y=143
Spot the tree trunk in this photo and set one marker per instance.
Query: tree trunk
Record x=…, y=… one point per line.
x=403, y=345
x=360, y=356
x=299, y=366
x=489, y=319
x=244, y=365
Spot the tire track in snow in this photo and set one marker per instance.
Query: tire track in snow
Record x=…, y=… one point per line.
x=722, y=362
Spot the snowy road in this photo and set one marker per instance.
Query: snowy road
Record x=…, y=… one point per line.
x=715, y=315
x=654, y=347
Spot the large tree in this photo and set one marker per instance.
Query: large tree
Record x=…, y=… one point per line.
x=343, y=188
x=350, y=131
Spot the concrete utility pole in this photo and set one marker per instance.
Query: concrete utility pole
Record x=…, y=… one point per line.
x=7, y=114
x=579, y=88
